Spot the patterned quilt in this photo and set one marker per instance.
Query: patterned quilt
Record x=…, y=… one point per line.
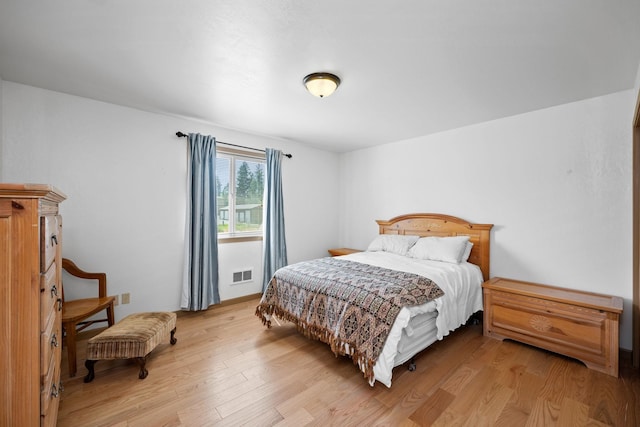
x=349, y=305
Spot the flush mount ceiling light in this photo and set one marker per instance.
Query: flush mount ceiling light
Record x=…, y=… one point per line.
x=321, y=84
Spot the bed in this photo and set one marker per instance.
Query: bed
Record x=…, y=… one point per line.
x=420, y=279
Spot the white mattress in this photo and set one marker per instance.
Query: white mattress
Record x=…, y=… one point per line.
x=418, y=327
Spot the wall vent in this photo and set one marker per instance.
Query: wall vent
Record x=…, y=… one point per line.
x=242, y=276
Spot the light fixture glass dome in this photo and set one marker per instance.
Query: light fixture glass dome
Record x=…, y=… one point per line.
x=321, y=84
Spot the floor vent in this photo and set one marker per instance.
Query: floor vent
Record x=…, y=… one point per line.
x=242, y=276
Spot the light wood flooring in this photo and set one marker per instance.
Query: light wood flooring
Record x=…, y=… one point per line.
x=227, y=369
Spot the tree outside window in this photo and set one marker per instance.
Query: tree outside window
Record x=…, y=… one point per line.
x=239, y=190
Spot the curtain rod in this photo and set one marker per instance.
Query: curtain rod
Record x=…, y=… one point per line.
x=184, y=135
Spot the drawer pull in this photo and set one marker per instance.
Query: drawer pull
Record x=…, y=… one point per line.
x=54, y=391
x=54, y=291
x=59, y=304
x=54, y=340
x=54, y=239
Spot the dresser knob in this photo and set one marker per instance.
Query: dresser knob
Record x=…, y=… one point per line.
x=54, y=291
x=54, y=341
x=54, y=239
x=54, y=391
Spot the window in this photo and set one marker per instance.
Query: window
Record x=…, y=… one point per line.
x=239, y=191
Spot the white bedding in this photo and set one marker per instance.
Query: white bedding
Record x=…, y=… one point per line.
x=462, y=286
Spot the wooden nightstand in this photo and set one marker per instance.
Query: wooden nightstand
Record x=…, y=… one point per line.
x=343, y=251
x=578, y=324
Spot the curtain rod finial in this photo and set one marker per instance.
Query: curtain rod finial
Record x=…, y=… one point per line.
x=181, y=134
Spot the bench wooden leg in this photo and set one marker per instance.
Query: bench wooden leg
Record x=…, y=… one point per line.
x=91, y=375
x=142, y=361
x=89, y=364
x=173, y=339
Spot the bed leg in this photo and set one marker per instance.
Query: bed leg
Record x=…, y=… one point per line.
x=412, y=364
x=476, y=318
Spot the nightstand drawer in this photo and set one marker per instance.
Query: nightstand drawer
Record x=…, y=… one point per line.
x=50, y=241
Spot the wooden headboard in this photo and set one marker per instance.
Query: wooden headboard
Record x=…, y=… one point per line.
x=428, y=224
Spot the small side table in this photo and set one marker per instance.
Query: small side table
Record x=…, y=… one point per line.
x=343, y=251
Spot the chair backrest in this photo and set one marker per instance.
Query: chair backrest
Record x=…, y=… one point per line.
x=71, y=268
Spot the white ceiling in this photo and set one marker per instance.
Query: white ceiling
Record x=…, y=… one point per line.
x=408, y=68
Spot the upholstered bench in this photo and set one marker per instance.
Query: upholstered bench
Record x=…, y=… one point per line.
x=134, y=337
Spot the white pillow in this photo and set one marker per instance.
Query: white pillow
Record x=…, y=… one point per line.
x=467, y=252
x=447, y=249
x=393, y=243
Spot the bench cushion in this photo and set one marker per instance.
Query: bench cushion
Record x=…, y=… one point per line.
x=134, y=336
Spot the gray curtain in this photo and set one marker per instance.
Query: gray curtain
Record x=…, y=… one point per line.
x=200, y=281
x=275, y=245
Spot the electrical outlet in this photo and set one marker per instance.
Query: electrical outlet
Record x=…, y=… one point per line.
x=117, y=300
x=126, y=298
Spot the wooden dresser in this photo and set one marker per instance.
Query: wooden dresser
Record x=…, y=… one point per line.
x=582, y=325
x=30, y=304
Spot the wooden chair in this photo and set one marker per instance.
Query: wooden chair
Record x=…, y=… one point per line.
x=76, y=312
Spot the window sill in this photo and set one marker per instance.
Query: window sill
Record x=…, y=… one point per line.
x=239, y=239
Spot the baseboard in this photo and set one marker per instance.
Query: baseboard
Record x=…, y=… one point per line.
x=238, y=300
x=225, y=303
x=625, y=357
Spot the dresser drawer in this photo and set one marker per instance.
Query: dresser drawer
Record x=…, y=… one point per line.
x=51, y=239
x=50, y=295
x=50, y=387
x=50, y=343
x=50, y=418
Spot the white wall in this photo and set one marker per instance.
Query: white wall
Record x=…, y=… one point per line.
x=556, y=183
x=124, y=172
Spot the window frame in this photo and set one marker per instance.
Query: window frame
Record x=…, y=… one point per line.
x=235, y=154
